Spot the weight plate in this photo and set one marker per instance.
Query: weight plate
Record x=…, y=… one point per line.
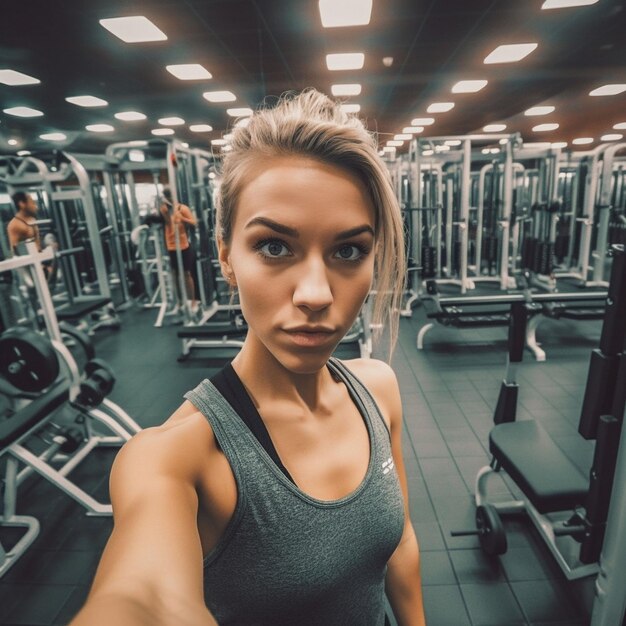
x=490, y=530
x=27, y=360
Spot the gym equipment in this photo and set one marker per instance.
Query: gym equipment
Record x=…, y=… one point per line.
x=559, y=499
x=489, y=530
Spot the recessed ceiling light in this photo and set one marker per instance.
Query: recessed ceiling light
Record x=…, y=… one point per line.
x=53, y=137
x=442, y=148
x=503, y=141
x=130, y=116
x=427, y=152
x=13, y=78
x=559, y=144
x=137, y=156
x=414, y=130
x=87, y=101
x=620, y=126
x=394, y=142
x=581, y=141
x=172, y=121
x=240, y=112
x=135, y=29
x=537, y=145
x=440, y=107
x=162, y=131
x=23, y=112
x=189, y=71
x=468, y=86
x=13, y=142
x=345, y=12
x=99, y=128
x=350, y=108
x=23, y=152
x=219, y=96
x=389, y=149
x=352, y=89
x=218, y=142
x=510, y=53
x=612, y=137
x=423, y=121
x=609, y=90
x=542, y=128
x=539, y=110
x=403, y=137
x=200, y=128
x=494, y=128
x=485, y=150
x=345, y=61
x=453, y=142
x=561, y=4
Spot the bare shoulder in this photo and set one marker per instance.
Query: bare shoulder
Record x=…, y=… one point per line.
x=381, y=381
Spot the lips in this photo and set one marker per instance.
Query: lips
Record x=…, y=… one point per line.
x=310, y=336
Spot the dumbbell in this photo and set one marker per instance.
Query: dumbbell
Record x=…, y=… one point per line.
x=489, y=530
x=98, y=383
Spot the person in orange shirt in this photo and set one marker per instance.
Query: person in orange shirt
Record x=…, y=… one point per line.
x=178, y=216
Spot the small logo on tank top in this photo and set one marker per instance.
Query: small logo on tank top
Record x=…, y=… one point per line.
x=388, y=465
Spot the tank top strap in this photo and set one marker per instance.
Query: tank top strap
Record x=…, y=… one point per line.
x=361, y=391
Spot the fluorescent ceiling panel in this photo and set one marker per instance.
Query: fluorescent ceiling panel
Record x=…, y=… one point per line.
x=494, y=128
x=395, y=143
x=352, y=89
x=414, y=130
x=23, y=112
x=240, y=112
x=423, y=121
x=172, y=121
x=189, y=71
x=13, y=78
x=219, y=96
x=403, y=137
x=440, y=107
x=609, y=90
x=581, y=141
x=562, y=4
x=218, y=142
x=162, y=131
x=542, y=128
x=345, y=61
x=510, y=53
x=53, y=137
x=99, y=128
x=350, y=108
x=559, y=144
x=469, y=86
x=135, y=29
x=87, y=101
x=200, y=128
x=335, y=13
x=620, y=126
x=612, y=137
x=130, y=116
x=539, y=110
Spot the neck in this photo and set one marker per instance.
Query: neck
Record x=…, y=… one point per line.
x=267, y=379
x=23, y=215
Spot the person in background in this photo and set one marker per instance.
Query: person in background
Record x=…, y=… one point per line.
x=179, y=216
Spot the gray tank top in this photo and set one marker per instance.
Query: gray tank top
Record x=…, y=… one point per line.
x=288, y=558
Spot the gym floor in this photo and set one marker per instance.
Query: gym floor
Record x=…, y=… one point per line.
x=449, y=392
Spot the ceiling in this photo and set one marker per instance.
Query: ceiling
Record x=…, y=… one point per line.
x=262, y=48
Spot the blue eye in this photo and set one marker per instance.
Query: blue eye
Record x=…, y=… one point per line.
x=350, y=253
x=273, y=249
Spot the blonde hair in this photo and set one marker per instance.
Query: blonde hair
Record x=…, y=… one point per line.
x=312, y=125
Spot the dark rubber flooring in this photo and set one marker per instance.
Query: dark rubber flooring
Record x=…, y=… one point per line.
x=448, y=390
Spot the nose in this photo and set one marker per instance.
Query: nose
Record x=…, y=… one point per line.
x=312, y=289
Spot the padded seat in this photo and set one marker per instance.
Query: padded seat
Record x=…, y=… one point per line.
x=77, y=310
x=539, y=467
x=216, y=330
x=13, y=427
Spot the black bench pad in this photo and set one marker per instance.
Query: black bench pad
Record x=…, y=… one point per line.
x=80, y=308
x=216, y=330
x=13, y=427
x=539, y=467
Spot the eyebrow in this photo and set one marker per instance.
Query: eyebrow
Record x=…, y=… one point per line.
x=292, y=232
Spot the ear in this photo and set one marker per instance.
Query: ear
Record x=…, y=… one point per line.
x=224, y=258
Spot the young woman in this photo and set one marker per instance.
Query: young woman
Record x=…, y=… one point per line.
x=276, y=494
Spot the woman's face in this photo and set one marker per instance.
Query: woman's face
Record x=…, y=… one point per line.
x=302, y=257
